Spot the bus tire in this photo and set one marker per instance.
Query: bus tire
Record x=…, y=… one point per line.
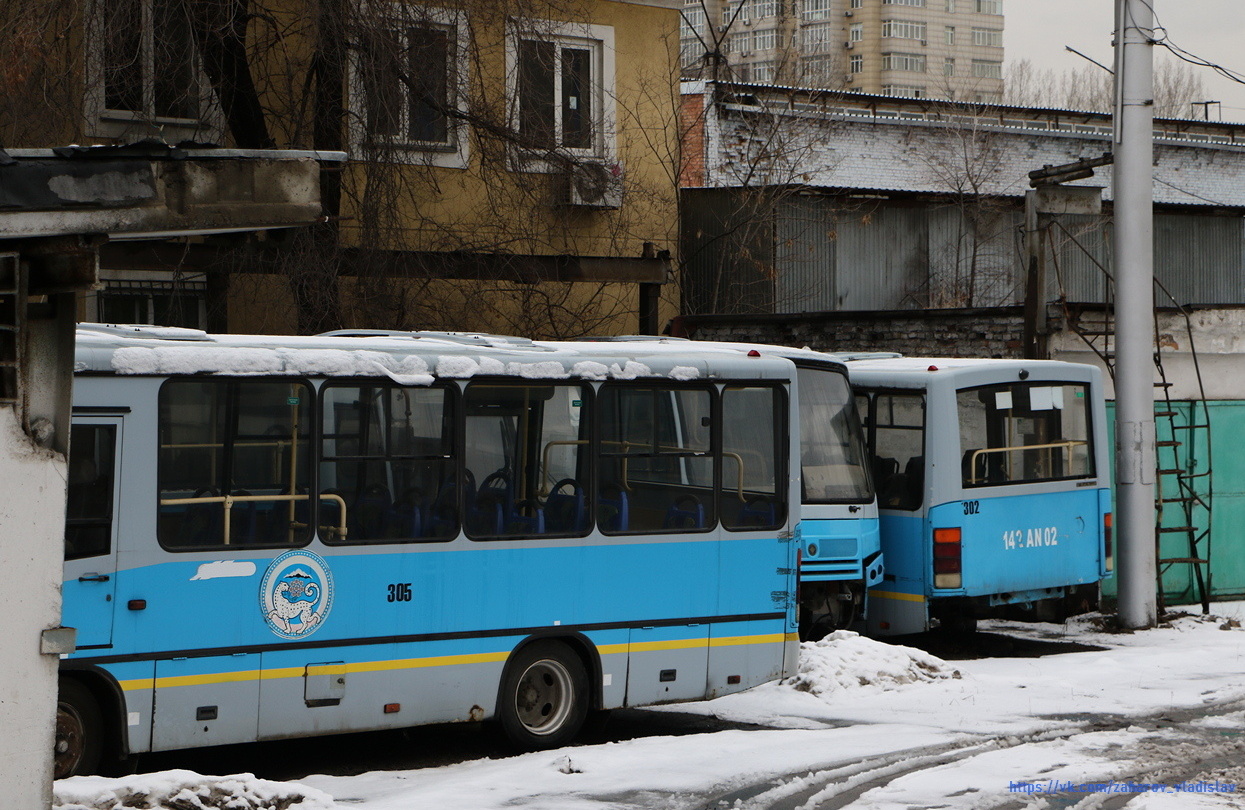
x=544, y=696
x=79, y=741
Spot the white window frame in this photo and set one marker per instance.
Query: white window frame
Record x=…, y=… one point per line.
x=948, y=35
x=858, y=3
x=765, y=40
x=762, y=72
x=906, y=62
x=903, y=29
x=856, y=33
x=816, y=9
x=455, y=152
x=817, y=37
x=916, y=3
x=987, y=69
x=903, y=91
x=599, y=39
x=103, y=122
x=948, y=66
x=987, y=37
x=989, y=6
x=856, y=63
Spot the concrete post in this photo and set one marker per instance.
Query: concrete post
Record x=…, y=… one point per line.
x=1134, y=312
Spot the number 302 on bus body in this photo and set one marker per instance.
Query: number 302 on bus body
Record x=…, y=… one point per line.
x=1031, y=538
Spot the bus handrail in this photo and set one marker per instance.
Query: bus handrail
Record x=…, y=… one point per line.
x=230, y=500
x=1066, y=445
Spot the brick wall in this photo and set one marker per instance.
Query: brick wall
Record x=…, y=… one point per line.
x=692, y=142
x=994, y=332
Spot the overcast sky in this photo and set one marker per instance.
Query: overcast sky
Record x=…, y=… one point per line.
x=1039, y=30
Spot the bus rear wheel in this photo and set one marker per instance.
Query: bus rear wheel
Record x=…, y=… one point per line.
x=544, y=696
x=79, y=731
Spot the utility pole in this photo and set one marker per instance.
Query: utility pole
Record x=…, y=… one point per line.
x=1134, y=311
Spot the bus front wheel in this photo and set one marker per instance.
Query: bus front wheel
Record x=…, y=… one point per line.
x=544, y=696
x=79, y=731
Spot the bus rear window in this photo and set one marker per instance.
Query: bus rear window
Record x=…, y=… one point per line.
x=1024, y=432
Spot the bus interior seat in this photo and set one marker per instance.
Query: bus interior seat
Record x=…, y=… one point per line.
x=406, y=515
x=687, y=512
x=883, y=469
x=615, y=509
x=758, y=510
x=565, y=507
x=367, y=518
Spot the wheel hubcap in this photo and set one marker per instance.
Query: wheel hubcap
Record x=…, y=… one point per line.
x=69, y=740
x=543, y=699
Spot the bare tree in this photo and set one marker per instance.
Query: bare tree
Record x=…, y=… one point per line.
x=1176, y=87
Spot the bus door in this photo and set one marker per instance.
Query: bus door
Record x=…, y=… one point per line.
x=896, y=429
x=91, y=518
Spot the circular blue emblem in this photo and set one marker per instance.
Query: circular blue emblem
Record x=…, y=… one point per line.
x=296, y=594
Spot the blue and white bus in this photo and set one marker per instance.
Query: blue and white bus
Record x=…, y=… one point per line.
x=994, y=488
x=837, y=535
x=269, y=538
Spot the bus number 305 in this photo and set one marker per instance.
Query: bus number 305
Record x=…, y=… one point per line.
x=399, y=592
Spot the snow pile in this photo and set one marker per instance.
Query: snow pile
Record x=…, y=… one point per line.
x=845, y=660
x=186, y=790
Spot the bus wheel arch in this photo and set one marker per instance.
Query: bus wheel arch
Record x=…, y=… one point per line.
x=546, y=692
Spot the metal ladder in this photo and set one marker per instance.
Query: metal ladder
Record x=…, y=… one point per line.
x=1184, y=484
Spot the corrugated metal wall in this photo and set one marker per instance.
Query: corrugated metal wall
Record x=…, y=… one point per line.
x=827, y=253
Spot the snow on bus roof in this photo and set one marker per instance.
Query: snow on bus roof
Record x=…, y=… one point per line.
x=409, y=358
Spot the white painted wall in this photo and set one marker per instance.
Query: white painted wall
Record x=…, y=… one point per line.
x=32, y=521
x=1218, y=339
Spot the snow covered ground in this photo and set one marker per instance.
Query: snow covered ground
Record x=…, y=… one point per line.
x=865, y=724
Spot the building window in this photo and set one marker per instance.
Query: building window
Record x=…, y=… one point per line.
x=816, y=9
x=736, y=10
x=818, y=37
x=989, y=6
x=144, y=68
x=763, y=72
x=948, y=35
x=764, y=8
x=918, y=3
x=856, y=33
x=741, y=44
x=857, y=3
x=562, y=86
x=983, y=69
x=407, y=83
x=856, y=64
x=950, y=6
x=765, y=40
x=901, y=91
x=948, y=66
x=988, y=37
x=912, y=62
x=160, y=303
x=903, y=29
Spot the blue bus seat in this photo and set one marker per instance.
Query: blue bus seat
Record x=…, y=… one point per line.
x=687, y=512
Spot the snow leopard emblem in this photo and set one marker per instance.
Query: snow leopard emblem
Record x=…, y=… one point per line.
x=296, y=594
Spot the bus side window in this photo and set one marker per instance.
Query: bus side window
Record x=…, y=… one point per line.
x=234, y=462
x=88, y=509
x=656, y=459
x=753, y=422
x=387, y=460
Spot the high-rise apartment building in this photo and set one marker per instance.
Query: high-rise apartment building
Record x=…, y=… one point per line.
x=915, y=48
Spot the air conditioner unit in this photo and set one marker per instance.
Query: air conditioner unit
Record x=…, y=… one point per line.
x=849, y=13
x=849, y=78
x=849, y=45
x=924, y=43
x=589, y=185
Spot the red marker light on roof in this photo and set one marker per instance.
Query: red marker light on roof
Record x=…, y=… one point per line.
x=932, y=368
x=753, y=353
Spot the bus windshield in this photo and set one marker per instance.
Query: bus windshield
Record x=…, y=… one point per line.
x=1019, y=432
x=832, y=446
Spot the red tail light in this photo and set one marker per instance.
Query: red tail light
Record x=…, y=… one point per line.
x=1108, y=541
x=948, y=566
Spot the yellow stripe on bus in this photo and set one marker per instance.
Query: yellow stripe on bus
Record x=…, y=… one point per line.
x=902, y=597
x=434, y=661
